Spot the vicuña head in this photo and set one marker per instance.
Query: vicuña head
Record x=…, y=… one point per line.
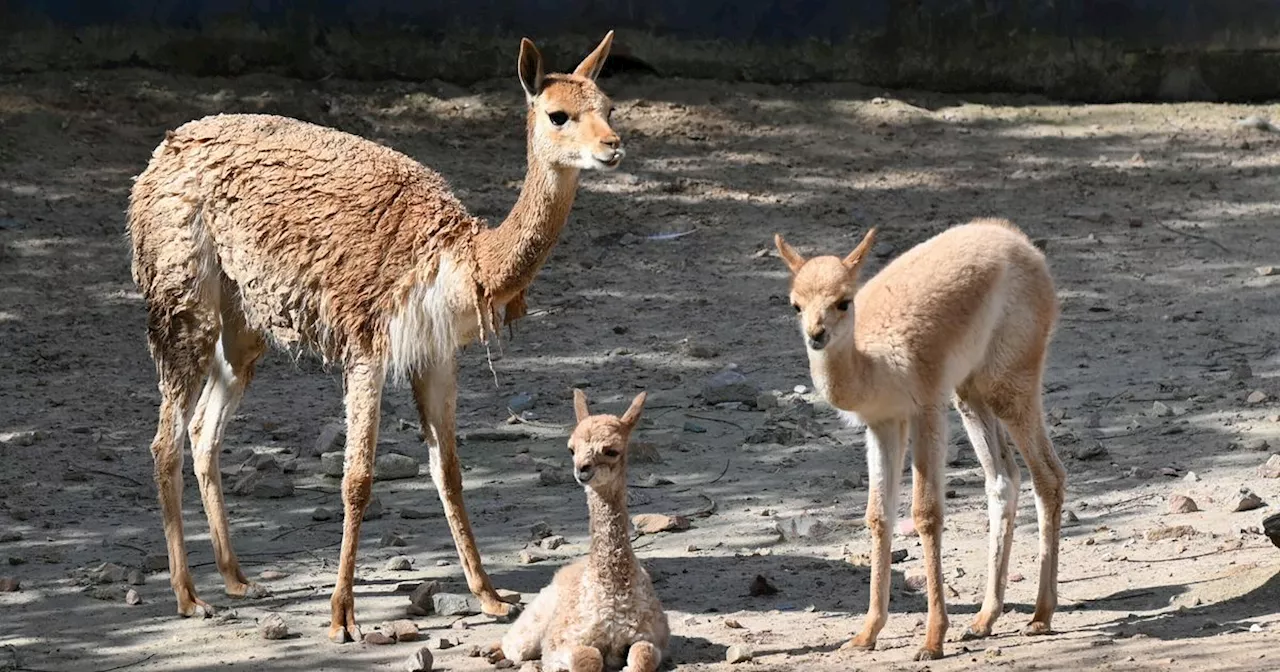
x=823, y=290
x=599, y=443
x=569, y=114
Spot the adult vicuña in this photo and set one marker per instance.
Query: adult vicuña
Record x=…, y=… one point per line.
x=968, y=313
x=251, y=227
x=600, y=612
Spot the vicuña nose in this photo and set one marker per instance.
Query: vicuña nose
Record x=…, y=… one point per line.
x=612, y=142
x=818, y=339
x=583, y=474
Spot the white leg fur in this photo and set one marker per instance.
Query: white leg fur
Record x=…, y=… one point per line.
x=524, y=640
x=886, y=451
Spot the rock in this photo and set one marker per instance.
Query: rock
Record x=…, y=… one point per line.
x=1256, y=397
x=400, y=563
x=652, y=523
x=1169, y=471
x=272, y=626
x=727, y=386
x=1191, y=477
x=1182, y=504
x=1256, y=445
x=504, y=664
x=1089, y=449
x=107, y=593
x=915, y=582
x=321, y=514
x=272, y=575
x=552, y=477
x=552, y=542
x=378, y=638
x=20, y=439
x=331, y=464
x=403, y=630
x=1241, y=371
x=394, y=466
x=1271, y=528
x=700, y=350
x=520, y=402
x=155, y=562
x=391, y=540
x=1016, y=578
x=1159, y=409
x=443, y=643
x=760, y=587
x=732, y=624
x=332, y=439
x=266, y=483
x=9, y=536
x=1171, y=532
x=422, y=594
x=539, y=530
x=528, y=557
x=9, y=584
x=409, y=513
x=373, y=510
x=738, y=653
x=258, y=460
x=644, y=452
x=1248, y=501
x=1265, y=271
x=530, y=666
x=455, y=604
x=1069, y=518
x=135, y=577
x=897, y=555
x=109, y=572
x=1271, y=469
x=693, y=427
x=804, y=526
x=132, y=598
x=766, y=401
x=419, y=661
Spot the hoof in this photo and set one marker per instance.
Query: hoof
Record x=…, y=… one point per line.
x=342, y=634
x=1037, y=628
x=504, y=612
x=197, y=609
x=975, y=632
x=250, y=591
x=493, y=653
x=926, y=653
x=859, y=644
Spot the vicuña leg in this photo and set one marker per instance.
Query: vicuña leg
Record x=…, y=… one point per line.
x=1002, y=478
x=436, y=394
x=928, y=451
x=363, y=399
x=1025, y=420
x=524, y=640
x=886, y=450
x=232, y=369
x=586, y=659
x=643, y=657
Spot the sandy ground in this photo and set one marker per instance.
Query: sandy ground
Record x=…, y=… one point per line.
x=1155, y=219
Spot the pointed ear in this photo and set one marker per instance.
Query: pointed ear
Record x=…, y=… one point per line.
x=859, y=254
x=580, y=404
x=591, y=65
x=789, y=255
x=632, y=416
x=530, y=69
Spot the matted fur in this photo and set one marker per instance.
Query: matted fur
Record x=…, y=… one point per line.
x=967, y=314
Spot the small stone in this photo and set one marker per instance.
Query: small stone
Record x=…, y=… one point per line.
x=410, y=513
x=1265, y=271
x=738, y=653
x=1191, y=477
x=155, y=562
x=321, y=514
x=916, y=583
x=419, y=661
x=652, y=523
x=1271, y=469
x=552, y=542
x=644, y=452
x=109, y=572
x=760, y=587
x=1089, y=449
x=21, y=439
x=1169, y=471
x=403, y=630
x=520, y=402
x=732, y=624
x=700, y=351
x=1171, y=532
x=132, y=598
x=766, y=401
x=107, y=593
x=729, y=386
x=272, y=575
x=528, y=557
x=373, y=510
x=1241, y=371
x=1016, y=578
x=552, y=477
x=272, y=626
x=1069, y=518
x=266, y=483
x=422, y=594
x=332, y=439
x=1179, y=504
x=1256, y=445
x=378, y=638
x=898, y=555
x=135, y=577
x=392, y=540
x=1248, y=501
x=454, y=604
x=993, y=652
x=9, y=584
x=504, y=664
x=539, y=530
x=443, y=643
x=400, y=563
x=394, y=466
x=1159, y=409
x=331, y=464
x=1257, y=397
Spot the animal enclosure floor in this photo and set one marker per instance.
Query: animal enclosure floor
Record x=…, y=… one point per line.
x=1158, y=220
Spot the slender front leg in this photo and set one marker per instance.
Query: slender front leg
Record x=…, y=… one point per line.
x=886, y=450
x=643, y=657
x=929, y=450
x=436, y=393
x=364, y=398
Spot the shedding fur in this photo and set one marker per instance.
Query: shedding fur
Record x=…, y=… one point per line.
x=966, y=316
x=249, y=228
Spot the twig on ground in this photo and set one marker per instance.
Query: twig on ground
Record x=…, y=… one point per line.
x=1198, y=236
x=103, y=472
x=712, y=418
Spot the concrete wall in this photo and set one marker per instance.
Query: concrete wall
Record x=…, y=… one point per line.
x=1080, y=49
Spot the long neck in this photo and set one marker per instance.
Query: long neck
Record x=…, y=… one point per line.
x=841, y=375
x=511, y=254
x=610, y=558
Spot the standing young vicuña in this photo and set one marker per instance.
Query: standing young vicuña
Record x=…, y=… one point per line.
x=249, y=228
x=967, y=314
x=600, y=612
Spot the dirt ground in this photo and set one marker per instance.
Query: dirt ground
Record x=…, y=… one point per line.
x=1163, y=377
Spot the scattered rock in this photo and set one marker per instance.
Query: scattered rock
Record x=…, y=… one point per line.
x=520, y=402
x=109, y=572
x=403, y=630
x=1256, y=445
x=378, y=638
x=644, y=452
x=1191, y=477
x=455, y=604
x=700, y=350
x=155, y=562
x=420, y=661
x=21, y=439
x=272, y=575
x=552, y=477
x=1248, y=501
x=132, y=598
x=332, y=439
x=267, y=483
x=392, y=540
x=528, y=557
x=652, y=523
x=1089, y=449
x=410, y=513
x=373, y=510
x=916, y=583
x=1257, y=397
x=760, y=587
x=552, y=542
x=321, y=514
x=443, y=643
x=331, y=464
x=400, y=563
x=422, y=594
x=9, y=584
x=135, y=577
x=738, y=653
x=1182, y=504
x=1271, y=469
x=272, y=626
x=732, y=624
x=804, y=526
x=539, y=530
x=1264, y=271
x=1171, y=532
x=898, y=555
x=729, y=386
x=1159, y=409
x=394, y=466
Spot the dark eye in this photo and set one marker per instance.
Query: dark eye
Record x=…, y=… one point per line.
x=608, y=116
x=609, y=452
x=558, y=118
x=796, y=306
x=843, y=305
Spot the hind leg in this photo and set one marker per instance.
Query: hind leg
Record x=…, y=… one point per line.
x=1002, y=479
x=643, y=657
x=524, y=640
x=232, y=369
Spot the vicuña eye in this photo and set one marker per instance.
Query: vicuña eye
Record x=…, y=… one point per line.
x=796, y=306
x=609, y=452
x=558, y=118
x=843, y=305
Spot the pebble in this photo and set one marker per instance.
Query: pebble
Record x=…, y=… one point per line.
x=132, y=598
x=897, y=555
x=374, y=510
x=729, y=385
x=732, y=624
x=1016, y=578
x=155, y=562
x=392, y=540
x=530, y=666
x=528, y=557
x=652, y=523
x=332, y=439
x=9, y=584
x=1271, y=469
x=907, y=528
x=331, y=464
x=403, y=630
x=455, y=604
x=1191, y=477
x=504, y=664
x=1171, y=532
x=109, y=572
x=700, y=351
x=552, y=477
x=1265, y=271
x=552, y=542
x=394, y=466
x=803, y=526
x=1159, y=409
x=521, y=402
x=1256, y=445
x=760, y=587
x=1179, y=504
x=1256, y=397
x=272, y=626
x=410, y=513
x=644, y=452
x=266, y=483
x=23, y=439
x=539, y=530
x=738, y=653
x=1241, y=371
x=421, y=596
x=693, y=427
x=378, y=638
x=443, y=643
x=1089, y=450
x=321, y=513
x=419, y=661
x=400, y=563
x=1248, y=501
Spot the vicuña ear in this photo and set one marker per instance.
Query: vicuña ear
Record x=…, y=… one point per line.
x=591, y=65
x=789, y=255
x=632, y=416
x=530, y=69
x=580, y=404
x=859, y=254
